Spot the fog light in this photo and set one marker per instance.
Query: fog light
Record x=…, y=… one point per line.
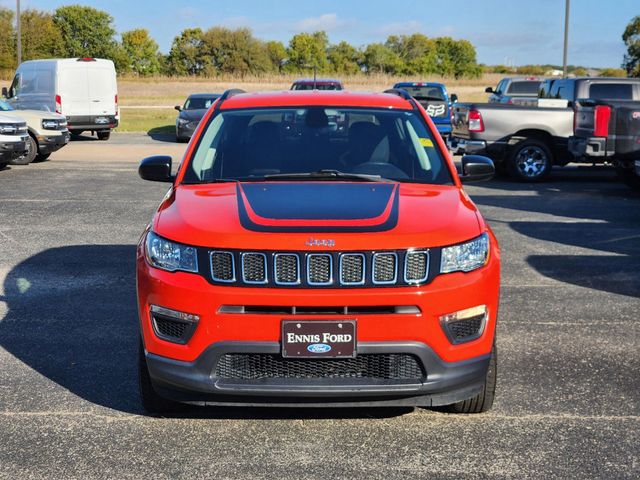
x=167, y=312
x=464, y=325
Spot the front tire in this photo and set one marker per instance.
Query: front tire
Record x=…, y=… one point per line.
x=484, y=400
x=30, y=154
x=530, y=161
x=629, y=177
x=153, y=403
x=42, y=157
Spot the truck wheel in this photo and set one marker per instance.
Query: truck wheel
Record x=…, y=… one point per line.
x=104, y=135
x=629, y=177
x=76, y=133
x=153, y=403
x=484, y=400
x=530, y=161
x=42, y=157
x=30, y=154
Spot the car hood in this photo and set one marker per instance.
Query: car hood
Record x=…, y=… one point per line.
x=293, y=215
x=192, y=114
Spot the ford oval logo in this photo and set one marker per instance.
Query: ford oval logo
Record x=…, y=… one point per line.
x=319, y=348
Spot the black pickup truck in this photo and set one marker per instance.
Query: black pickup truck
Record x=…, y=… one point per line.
x=526, y=141
x=609, y=131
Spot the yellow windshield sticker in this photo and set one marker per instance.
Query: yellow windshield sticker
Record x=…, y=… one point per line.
x=426, y=142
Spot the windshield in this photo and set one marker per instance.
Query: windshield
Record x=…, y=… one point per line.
x=250, y=145
x=426, y=93
x=199, y=103
x=5, y=107
x=319, y=86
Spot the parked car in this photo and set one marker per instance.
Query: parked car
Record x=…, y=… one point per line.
x=515, y=91
x=47, y=132
x=13, y=139
x=293, y=263
x=317, y=84
x=84, y=90
x=194, y=108
x=527, y=141
x=435, y=100
x=607, y=130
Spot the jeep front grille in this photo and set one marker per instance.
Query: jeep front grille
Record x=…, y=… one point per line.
x=318, y=270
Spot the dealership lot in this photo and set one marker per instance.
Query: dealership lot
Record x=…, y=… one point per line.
x=569, y=366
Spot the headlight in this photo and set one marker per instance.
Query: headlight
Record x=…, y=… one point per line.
x=50, y=124
x=171, y=256
x=466, y=256
x=182, y=121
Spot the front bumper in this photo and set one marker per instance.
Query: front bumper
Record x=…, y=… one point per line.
x=12, y=150
x=52, y=143
x=194, y=382
x=186, y=131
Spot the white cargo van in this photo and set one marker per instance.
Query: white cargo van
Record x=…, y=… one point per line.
x=82, y=89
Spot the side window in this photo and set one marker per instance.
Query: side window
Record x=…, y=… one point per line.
x=14, y=90
x=28, y=83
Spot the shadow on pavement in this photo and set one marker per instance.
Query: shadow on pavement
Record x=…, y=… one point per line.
x=73, y=318
x=165, y=133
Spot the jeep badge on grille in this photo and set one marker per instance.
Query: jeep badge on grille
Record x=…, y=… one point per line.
x=320, y=242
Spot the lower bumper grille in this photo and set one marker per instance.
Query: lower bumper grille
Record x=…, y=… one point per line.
x=374, y=366
x=172, y=330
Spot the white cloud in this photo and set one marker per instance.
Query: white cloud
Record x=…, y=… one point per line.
x=327, y=22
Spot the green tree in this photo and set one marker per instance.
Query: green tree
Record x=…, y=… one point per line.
x=41, y=38
x=186, y=56
x=7, y=47
x=86, y=31
x=417, y=53
x=344, y=58
x=463, y=55
x=631, y=38
x=613, y=72
x=234, y=51
x=378, y=58
x=308, y=50
x=142, y=52
x=277, y=54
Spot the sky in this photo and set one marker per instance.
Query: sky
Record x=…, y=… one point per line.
x=513, y=32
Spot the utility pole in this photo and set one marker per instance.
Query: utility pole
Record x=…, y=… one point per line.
x=566, y=38
x=18, y=33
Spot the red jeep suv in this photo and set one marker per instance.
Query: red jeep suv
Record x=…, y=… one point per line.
x=317, y=248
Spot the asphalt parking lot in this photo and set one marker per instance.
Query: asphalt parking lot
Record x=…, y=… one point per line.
x=568, y=401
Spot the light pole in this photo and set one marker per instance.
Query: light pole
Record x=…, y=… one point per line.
x=566, y=38
x=18, y=33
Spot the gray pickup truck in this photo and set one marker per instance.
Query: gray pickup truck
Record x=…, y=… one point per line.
x=526, y=142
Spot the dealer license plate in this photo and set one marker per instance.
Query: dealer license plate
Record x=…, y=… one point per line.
x=319, y=339
x=102, y=120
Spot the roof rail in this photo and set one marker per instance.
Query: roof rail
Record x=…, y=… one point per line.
x=401, y=92
x=227, y=94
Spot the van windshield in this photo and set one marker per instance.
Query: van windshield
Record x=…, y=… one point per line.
x=260, y=144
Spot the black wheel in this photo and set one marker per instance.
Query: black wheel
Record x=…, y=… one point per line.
x=76, y=133
x=104, y=134
x=29, y=155
x=181, y=139
x=530, y=161
x=484, y=400
x=41, y=157
x=153, y=403
x=629, y=177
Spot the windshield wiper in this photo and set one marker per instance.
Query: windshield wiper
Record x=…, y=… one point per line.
x=327, y=174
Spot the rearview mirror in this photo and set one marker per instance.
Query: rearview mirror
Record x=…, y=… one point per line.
x=488, y=90
x=178, y=107
x=4, y=92
x=156, y=169
x=476, y=168
x=454, y=98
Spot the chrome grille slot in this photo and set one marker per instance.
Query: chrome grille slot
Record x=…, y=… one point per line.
x=352, y=269
x=222, y=267
x=416, y=266
x=286, y=269
x=254, y=267
x=385, y=268
x=319, y=269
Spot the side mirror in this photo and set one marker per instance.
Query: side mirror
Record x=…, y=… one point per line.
x=156, y=169
x=178, y=107
x=489, y=90
x=5, y=93
x=476, y=168
x=454, y=98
